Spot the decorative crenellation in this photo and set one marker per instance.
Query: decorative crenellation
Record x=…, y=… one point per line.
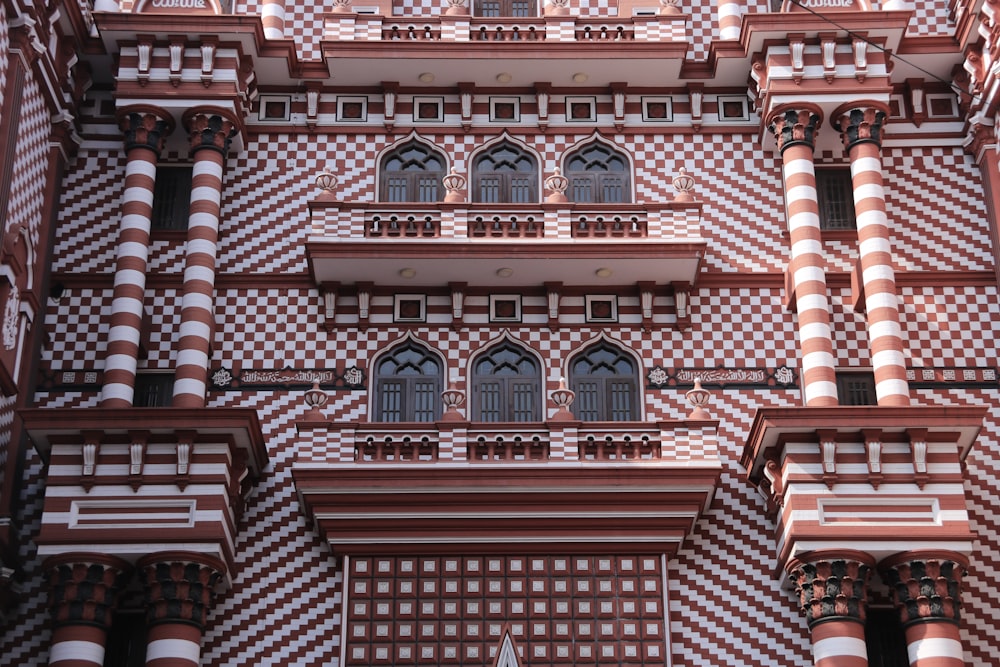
x=179, y=586
x=83, y=587
x=145, y=130
x=834, y=588
x=926, y=588
x=861, y=125
x=795, y=126
x=208, y=130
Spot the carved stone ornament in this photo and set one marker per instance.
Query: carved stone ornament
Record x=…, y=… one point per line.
x=11, y=316
x=684, y=184
x=557, y=184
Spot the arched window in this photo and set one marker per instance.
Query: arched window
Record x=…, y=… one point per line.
x=506, y=385
x=412, y=173
x=605, y=382
x=598, y=174
x=498, y=8
x=408, y=385
x=506, y=174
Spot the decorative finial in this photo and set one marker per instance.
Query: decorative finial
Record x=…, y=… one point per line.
x=327, y=181
x=452, y=398
x=557, y=183
x=316, y=398
x=698, y=398
x=454, y=185
x=563, y=398
x=684, y=184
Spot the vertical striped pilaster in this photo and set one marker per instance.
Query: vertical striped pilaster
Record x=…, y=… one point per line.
x=210, y=136
x=927, y=589
x=794, y=131
x=83, y=590
x=730, y=18
x=144, y=135
x=833, y=592
x=179, y=589
x=861, y=130
x=272, y=14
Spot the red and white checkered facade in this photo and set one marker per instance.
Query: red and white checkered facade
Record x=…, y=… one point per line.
x=258, y=528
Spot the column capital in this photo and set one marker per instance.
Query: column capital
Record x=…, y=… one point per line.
x=832, y=585
x=145, y=127
x=210, y=128
x=179, y=586
x=83, y=587
x=794, y=125
x=926, y=586
x=860, y=122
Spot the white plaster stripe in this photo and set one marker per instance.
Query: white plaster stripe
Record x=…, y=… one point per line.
x=203, y=219
x=831, y=647
x=799, y=166
x=159, y=649
x=121, y=362
x=197, y=300
x=807, y=247
x=820, y=388
x=865, y=163
x=934, y=647
x=195, y=272
x=811, y=330
x=892, y=387
x=207, y=168
x=124, y=333
x=202, y=246
x=817, y=360
x=871, y=217
x=206, y=193
x=189, y=386
x=809, y=273
x=195, y=328
x=192, y=357
x=118, y=390
x=809, y=301
x=77, y=649
x=140, y=167
x=801, y=192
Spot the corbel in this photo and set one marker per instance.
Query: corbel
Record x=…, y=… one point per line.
x=773, y=496
x=646, y=289
x=364, y=303
x=828, y=452
x=136, y=457
x=860, y=45
x=542, y=94
x=696, y=93
x=828, y=49
x=682, y=302
x=465, y=94
x=312, y=104
x=185, y=444
x=618, y=91
x=208, y=48
x=918, y=449
x=916, y=90
x=390, y=91
x=329, y=291
x=91, y=449
x=176, y=51
x=797, y=49
x=553, y=292
x=144, y=58
x=873, y=451
x=457, y=303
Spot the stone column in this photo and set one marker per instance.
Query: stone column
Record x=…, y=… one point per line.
x=179, y=590
x=795, y=130
x=272, y=15
x=729, y=14
x=833, y=592
x=144, y=137
x=83, y=590
x=861, y=130
x=926, y=588
x=210, y=136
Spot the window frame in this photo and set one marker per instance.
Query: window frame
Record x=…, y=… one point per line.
x=603, y=408
x=509, y=387
x=156, y=390
x=505, y=185
x=836, y=209
x=506, y=9
x=856, y=383
x=410, y=393
x=172, y=197
x=411, y=178
x=597, y=179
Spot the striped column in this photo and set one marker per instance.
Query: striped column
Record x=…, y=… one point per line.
x=179, y=590
x=730, y=17
x=926, y=588
x=272, y=15
x=794, y=130
x=861, y=129
x=833, y=593
x=144, y=137
x=210, y=135
x=83, y=589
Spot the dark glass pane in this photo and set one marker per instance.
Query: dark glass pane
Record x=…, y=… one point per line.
x=489, y=402
x=524, y=402
x=489, y=189
x=621, y=400
x=585, y=405
x=171, y=198
x=412, y=172
x=153, y=390
x=126, y=643
x=612, y=189
x=489, y=9
x=885, y=639
x=395, y=188
x=520, y=190
x=605, y=383
x=391, y=401
x=581, y=190
x=835, y=197
x=520, y=8
x=604, y=171
x=856, y=388
x=425, y=400
x=408, y=385
x=427, y=188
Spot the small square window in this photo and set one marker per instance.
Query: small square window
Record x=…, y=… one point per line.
x=733, y=108
x=657, y=109
x=856, y=388
x=428, y=109
x=505, y=308
x=275, y=108
x=602, y=308
x=352, y=109
x=410, y=308
x=941, y=106
x=505, y=109
x=835, y=196
x=172, y=197
x=153, y=390
x=581, y=109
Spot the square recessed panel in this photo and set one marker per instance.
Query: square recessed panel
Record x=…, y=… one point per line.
x=657, y=109
x=505, y=110
x=410, y=308
x=942, y=106
x=505, y=308
x=602, y=308
x=733, y=108
x=352, y=109
x=581, y=109
x=274, y=108
x=428, y=109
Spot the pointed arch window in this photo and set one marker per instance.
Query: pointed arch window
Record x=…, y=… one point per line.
x=598, y=174
x=606, y=385
x=507, y=385
x=412, y=173
x=408, y=385
x=506, y=174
